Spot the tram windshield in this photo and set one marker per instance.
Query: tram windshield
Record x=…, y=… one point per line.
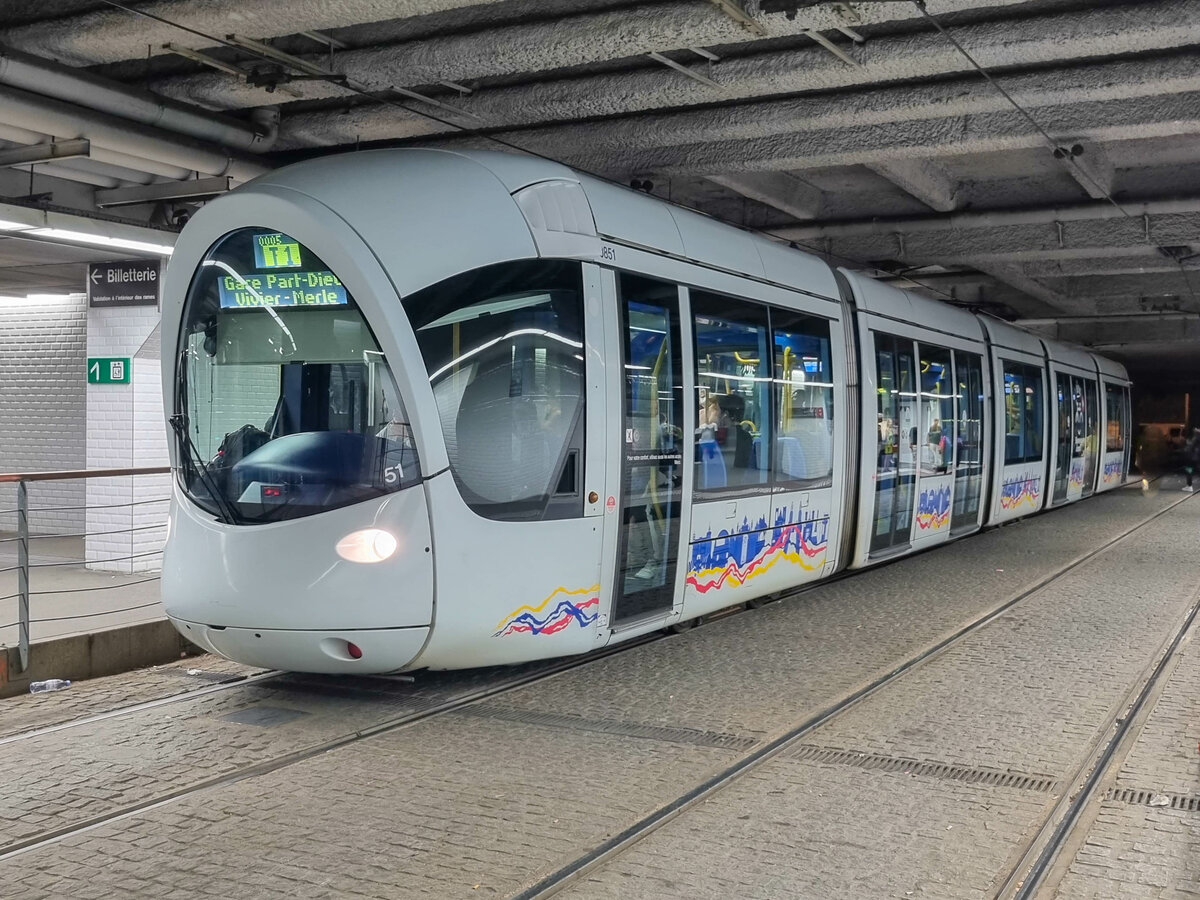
x=285, y=405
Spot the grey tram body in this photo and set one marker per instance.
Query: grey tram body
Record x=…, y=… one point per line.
x=848, y=454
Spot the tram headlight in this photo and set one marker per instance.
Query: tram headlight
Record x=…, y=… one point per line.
x=370, y=545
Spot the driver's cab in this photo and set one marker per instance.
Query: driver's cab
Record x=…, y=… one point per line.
x=286, y=404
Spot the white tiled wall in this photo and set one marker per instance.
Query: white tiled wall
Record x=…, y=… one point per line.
x=126, y=428
x=42, y=406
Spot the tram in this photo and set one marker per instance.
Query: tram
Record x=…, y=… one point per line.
x=437, y=409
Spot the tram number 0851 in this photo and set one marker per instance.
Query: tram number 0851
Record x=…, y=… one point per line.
x=608, y=252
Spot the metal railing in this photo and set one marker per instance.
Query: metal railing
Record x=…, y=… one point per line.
x=24, y=536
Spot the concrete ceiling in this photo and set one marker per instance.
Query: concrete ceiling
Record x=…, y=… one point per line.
x=857, y=130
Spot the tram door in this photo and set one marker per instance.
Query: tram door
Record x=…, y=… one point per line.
x=936, y=440
x=1091, y=438
x=896, y=463
x=1063, y=430
x=651, y=448
x=968, y=465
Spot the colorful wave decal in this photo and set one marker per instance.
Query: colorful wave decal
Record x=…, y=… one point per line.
x=733, y=559
x=1113, y=471
x=526, y=619
x=1019, y=491
x=1076, y=476
x=933, y=508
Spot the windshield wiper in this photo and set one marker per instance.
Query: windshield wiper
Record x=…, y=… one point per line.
x=226, y=508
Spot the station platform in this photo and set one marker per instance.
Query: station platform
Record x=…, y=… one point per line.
x=68, y=598
x=922, y=729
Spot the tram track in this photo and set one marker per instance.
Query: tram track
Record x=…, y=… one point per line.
x=1047, y=847
x=601, y=854
x=1105, y=755
x=233, y=683
x=283, y=760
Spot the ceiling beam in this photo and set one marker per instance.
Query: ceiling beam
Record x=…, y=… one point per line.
x=1009, y=243
x=910, y=57
x=1088, y=164
x=779, y=190
x=1179, y=329
x=560, y=42
x=1070, y=268
x=923, y=139
x=40, y=153
x=165, y=190
x=1015, y=278
x=923, y=179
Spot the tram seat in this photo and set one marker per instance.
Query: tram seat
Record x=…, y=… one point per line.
x=712, y=465
x=791, y=459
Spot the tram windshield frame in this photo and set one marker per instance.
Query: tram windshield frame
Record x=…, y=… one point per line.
x=285, y=405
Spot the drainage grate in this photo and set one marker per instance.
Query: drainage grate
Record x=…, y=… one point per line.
x=1022, y=781
x=1138, y=797
x=265, y=716
x=608, y=726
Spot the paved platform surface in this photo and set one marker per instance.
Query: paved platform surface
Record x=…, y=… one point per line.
x=486, y=800
x=68, y=598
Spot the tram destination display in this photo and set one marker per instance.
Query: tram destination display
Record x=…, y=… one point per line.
x=129, y=282
x=280, y=284
x=281, y=289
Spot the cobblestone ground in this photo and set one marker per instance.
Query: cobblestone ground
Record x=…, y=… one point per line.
x=97, y=695
x=482, y=802
x=65, y=777
x=1029, y=693
x=1134, y=850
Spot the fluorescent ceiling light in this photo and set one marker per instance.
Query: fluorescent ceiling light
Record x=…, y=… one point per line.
x=82, y=237
x=7, y=225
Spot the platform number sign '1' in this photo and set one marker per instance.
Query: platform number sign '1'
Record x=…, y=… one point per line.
x=105, y=370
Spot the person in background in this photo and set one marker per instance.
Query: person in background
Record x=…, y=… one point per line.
x=1191, y=458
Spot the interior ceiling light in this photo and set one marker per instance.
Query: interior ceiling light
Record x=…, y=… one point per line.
x=82, y=237
x=7, y=225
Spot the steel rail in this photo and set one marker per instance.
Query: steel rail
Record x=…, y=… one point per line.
x=608, y=850
x=1083, y=786
x=284, y=760
x=235, y=681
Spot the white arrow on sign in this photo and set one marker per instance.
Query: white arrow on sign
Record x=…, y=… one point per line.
x=95, y=276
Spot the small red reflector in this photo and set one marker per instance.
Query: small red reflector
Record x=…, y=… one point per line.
x=354, y=650
x=272, y=492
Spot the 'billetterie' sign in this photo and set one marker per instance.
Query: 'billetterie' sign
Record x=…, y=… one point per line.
x=130, y=282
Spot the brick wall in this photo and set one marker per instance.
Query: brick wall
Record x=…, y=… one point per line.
x=43, y=355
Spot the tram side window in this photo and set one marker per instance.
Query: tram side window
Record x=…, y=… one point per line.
x=937, y=411
x=1022, y=413
x=804, y=399
x=733, y=383
x=1114, y=405
x=503, y=346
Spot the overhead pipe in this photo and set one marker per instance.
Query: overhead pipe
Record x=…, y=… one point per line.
x=993, y=219
x=40, y=76
x=24, y=110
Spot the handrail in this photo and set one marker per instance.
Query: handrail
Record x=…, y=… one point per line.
x=13, y=477
x=22, y=481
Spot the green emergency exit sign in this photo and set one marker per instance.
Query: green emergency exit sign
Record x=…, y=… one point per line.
x=108, y=370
